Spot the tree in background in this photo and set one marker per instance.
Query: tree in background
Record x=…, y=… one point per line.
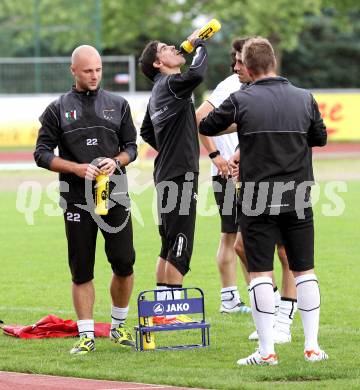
x=327, y=56
x=310, y=27
x=55, y=27
x=280, y=21
x=45, y=27
x=296, y=26
x=129, y=25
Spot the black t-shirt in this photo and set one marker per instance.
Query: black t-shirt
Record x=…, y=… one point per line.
x=85, y=126
x=169, y=125
x=277, y=125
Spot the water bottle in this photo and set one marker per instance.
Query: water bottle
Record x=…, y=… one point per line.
x=102, y=194
x=205, y=32
x=148, y=337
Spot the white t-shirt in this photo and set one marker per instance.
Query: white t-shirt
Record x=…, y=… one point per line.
x=226, y=143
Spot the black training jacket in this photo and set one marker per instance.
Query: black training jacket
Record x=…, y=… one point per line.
x=169, y=125
x=84, y=126
x=277, y=125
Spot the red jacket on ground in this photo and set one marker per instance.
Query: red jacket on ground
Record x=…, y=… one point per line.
x=52, y=326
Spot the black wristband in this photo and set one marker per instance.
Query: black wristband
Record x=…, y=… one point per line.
x=117, y=162
x=214, y=154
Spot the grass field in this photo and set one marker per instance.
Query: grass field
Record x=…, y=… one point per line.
x=34, y=282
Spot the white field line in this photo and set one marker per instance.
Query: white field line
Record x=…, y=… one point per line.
x=18, y=166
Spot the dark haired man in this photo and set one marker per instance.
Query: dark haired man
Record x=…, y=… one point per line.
x=221, y=148
x=277, y=125
x=169, y=126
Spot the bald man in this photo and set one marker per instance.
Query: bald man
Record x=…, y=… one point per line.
x=95, y=134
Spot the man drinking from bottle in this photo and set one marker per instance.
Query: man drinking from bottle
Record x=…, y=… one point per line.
x=170, y=128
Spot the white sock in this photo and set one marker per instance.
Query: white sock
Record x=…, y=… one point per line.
x=175, y=293
x=118, y=316
x=230, y=297
x=86, y=328
x=161, y=295
x=277, y=298
x=285, y=315
x=263, y=308
x=308, y=297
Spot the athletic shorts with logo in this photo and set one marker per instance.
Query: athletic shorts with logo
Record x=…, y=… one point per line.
x=81, y=232
x=177, y=200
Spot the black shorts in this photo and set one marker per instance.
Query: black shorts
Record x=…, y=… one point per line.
x=279, y=239
x=177, y=200
x=260, y=234
x=81, y=232
x=225, y=196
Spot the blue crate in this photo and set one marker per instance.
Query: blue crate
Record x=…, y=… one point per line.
x=192, y=303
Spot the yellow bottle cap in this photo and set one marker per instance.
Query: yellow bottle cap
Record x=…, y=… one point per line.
x=215, y=24
x=187, y=46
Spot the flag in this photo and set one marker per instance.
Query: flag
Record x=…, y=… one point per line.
x=70, y=115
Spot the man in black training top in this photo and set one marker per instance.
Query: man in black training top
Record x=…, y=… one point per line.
x=170, y=128
x=277, y=125
x=87, y=123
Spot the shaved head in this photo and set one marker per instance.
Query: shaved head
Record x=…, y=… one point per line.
x=83, y=51
x=86, y=67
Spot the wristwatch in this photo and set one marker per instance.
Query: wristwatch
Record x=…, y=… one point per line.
x=214, y=154
x=117, y=162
